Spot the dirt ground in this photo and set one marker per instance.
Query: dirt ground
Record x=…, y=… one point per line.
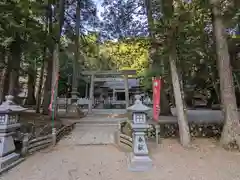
x=203, y=161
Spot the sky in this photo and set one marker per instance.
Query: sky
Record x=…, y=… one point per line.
x=100, y=9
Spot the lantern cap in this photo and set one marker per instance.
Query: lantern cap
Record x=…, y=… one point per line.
x=9, y=106
x=138, y=106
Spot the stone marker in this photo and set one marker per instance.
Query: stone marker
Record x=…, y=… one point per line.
x=9, y=117
x=139, y=159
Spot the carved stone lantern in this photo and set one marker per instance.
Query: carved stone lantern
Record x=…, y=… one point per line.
x=9, y=122
x=139, y=159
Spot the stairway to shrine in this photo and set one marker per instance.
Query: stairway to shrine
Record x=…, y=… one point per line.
x=94, y=129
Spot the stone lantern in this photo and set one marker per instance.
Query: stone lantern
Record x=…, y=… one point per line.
x=139, y=159
x=9, y=122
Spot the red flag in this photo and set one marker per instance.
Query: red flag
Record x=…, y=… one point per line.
x=156, y=98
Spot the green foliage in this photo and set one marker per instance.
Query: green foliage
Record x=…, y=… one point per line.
x=128, y=54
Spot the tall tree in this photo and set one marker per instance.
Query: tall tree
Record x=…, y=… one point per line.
x=156, y=63
x=49, y=66
x=230, y=133
x=172, y=23
x=76, y=53
x=57, y=44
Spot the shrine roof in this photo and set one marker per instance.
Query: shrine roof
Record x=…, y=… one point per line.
x=120, y=84
x=121, y=72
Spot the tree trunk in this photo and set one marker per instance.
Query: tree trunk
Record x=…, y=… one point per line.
x=31, y=100
x=44, y=64
x=165, y=109
x=41, y=81
x=182, y=120
x=7, y=78
x=15, y=66
x=178, y=92
x=3, y=71
x=165, y=105
x=55, y=64
x=48, y=81
x=148, y=5
x=47, y=87
x=227, y=91
x=76, y=54
x=2, y=80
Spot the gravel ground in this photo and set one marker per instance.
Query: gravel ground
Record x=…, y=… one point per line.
x=204, y=161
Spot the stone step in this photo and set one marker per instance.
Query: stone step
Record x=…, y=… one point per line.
x=103, y=120
x=91, y=135
x=97, y=122
x=96, y=125
x=97, y=129
x=94, y=131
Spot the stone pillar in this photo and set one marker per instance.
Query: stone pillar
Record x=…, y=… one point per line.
x=9, y=122
x=139, y=159
x=126, y=90
x=91, y=94
x=74, y=92
x=72, y=106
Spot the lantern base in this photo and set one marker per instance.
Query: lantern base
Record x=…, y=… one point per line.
x=139, y=163
x=74, y=110
x=9, y=128
x=6, y=146
x=9, y=161
x=74, y=95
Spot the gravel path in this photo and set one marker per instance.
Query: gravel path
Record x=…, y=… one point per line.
x=171, y=162
x=90, y=135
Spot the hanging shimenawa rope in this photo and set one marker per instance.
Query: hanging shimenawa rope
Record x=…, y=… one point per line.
x=53, y=100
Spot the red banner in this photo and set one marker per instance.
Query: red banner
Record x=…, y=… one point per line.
x=156, y=98
x=53, y=102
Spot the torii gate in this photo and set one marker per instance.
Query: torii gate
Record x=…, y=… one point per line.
x=93, y=74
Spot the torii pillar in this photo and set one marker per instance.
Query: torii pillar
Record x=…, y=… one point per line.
x=126, y=90
x=86, y=90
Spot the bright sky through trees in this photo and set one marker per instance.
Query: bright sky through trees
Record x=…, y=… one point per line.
x=100, y=9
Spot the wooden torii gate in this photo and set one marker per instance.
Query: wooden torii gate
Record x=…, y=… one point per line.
x=93, y=79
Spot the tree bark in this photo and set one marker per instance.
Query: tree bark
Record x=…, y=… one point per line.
x=7, y=78
x=55, y=62
x=178, y=92
x=227, y=91
x=41, y=82
x=165, y=105
x=3, y=71
x=76, y=54
x=48, y=81
x=165, y=109
x=44, y=64
x=152, y=50
x=182, y=119
x=14, y=64
x=31, y=100
x=47, y=86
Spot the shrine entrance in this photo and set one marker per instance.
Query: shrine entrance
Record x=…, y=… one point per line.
x=109, y=89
